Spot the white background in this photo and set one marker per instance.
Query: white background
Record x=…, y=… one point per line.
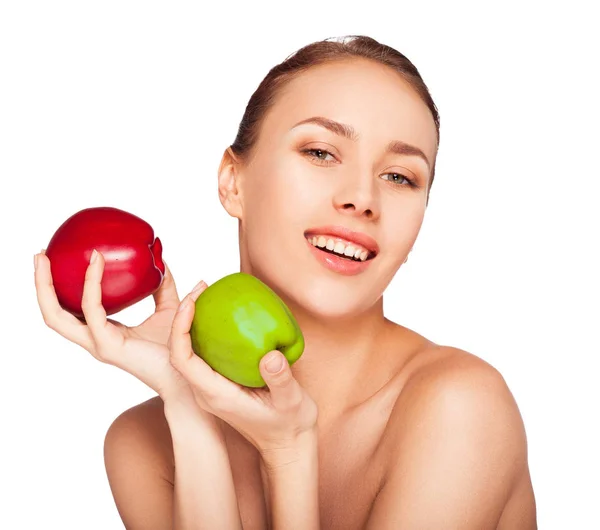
x=131, y=104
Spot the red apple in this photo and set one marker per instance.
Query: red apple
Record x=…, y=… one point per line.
x=133, y=262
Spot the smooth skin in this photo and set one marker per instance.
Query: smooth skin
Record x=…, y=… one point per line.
x=411, y=434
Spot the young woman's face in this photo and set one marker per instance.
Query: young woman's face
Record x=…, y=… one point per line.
x=306, y=178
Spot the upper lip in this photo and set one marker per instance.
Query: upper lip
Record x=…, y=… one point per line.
x=359, y=238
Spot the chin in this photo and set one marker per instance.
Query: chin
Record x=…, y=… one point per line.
x=328, y=308
x=317, y=295
x=336, y=300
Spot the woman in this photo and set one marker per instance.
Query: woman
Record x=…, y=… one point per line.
x=374, y=426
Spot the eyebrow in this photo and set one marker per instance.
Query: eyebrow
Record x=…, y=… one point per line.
x=347, y=131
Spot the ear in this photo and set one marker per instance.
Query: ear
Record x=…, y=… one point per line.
x=229, y=184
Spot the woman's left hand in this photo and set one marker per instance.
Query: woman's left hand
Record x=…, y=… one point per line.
x=273, y=419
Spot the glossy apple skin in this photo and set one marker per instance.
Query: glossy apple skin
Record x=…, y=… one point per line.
x=133, y=258
x=239, y=319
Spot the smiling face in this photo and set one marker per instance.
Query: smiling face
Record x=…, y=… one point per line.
x=348, y=146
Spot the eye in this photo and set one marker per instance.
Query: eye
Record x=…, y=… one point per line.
x=320, y=156
x=397, y=178
x=316, y=154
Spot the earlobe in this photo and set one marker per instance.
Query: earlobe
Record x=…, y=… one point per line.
x=229, y=190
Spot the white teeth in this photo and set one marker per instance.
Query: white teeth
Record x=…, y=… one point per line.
x=339, y=248
x=344, y=249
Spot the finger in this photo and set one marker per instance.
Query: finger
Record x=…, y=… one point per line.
x=166, y=296
x=106, y=337
x=285, y=391
x=180, y=342
x=55, y=317
x=182, y=356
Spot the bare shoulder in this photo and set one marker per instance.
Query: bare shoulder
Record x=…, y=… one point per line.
x=144, y=425
x=436, y=365
x=456, y=433
x=458, y=386
x=469, y=400
x=139, y=465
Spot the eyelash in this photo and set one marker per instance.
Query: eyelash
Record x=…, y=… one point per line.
x=308, y=152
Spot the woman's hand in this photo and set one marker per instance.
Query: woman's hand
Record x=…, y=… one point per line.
x=142, y=350
x=273, y=419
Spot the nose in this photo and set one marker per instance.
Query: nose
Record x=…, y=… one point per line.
x=357, y=198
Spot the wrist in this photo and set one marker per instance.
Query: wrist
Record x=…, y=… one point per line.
x=187, y=419
x=175, y=388
x=300, y=449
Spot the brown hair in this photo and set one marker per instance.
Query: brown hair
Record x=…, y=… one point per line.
x=317, y=53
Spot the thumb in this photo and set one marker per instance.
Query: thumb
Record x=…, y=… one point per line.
x=166, y=297
x=275, y=370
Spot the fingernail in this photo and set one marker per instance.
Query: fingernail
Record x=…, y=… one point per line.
x=94, y=256
x=199, y=286
x=275, y=363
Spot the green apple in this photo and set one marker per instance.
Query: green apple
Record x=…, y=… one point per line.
x=238, y=320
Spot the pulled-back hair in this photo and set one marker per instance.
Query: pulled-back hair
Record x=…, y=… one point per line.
x=318, y=53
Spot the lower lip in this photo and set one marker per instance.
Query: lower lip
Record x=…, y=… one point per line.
x=337, y=264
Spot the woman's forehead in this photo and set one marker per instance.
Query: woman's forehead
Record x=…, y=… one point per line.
x=348, y=81
x=372, y=99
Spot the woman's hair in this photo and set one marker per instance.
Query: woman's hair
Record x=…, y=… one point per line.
x=318, y=53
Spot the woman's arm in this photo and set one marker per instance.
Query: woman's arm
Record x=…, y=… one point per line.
x=293, y=485
x=204, y=495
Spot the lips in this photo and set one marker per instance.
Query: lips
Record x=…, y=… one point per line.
x=358, y=238
x=338, y=264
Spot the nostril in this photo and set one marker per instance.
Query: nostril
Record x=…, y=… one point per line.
x=351, y=207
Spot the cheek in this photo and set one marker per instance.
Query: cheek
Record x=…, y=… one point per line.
x=402, y=227
x=285, y=196
x=274, y=219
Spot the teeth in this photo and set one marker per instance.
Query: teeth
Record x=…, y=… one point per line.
x=344, y=249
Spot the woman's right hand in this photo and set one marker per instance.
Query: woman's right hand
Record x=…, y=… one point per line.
x=143, y=350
